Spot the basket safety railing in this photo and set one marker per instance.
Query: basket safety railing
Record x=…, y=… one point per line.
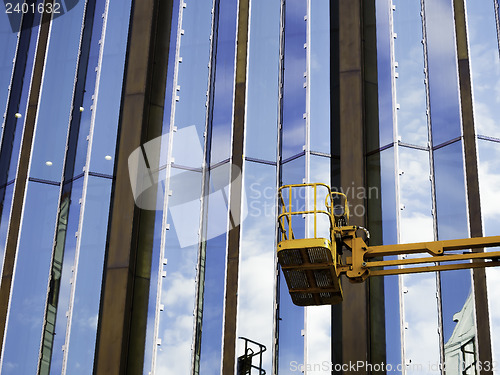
x=288, y=211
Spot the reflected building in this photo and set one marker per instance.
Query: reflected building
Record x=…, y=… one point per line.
x=143, y=144
x=460, y=350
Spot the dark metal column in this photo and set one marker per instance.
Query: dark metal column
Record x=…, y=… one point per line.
x=358, y=330
x=235, y=193
x=22, y=172
x=124, y=298
x=472, y=181
x=352, y=170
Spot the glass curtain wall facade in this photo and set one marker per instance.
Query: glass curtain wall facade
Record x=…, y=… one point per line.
x=241, y=97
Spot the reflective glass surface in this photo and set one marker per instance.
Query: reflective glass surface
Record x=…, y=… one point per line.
x=291, y=317
x=87, y=278
x=443, y=75
x=8, y=42
x=29, y=287
x=4, y=221
x=224, y=77
x=257, y=260
x=177, y=268
x=155, y=262
x=318, y=325
x=23, y=102
x=415, y=195
x=418, y=292
x=455, y=288
x=387, y=194
x=319, y=169
x=215, y=269
x=108, y=99
x=262, y=81
x=452, y=223
x=190, y=109
x=63, y=299
x=319, y=76
x=410, y=88
x=450, y=192
x=421, y=337
x=384, y=71
x=56, y=96
x=489, y=183
x=294, y=95
x=12, y=123
x=383, y=225
x=153, y=290
x=485, y=66
x=90, y=84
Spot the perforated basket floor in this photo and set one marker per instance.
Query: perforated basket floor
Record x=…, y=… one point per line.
x=309, y=270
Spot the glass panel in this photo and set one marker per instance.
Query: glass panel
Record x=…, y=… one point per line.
x=421, y=338
x=87, y=278
x=108, y=99
x=262, y=94
x=383, y=226
x=257, y=265
x=384, y=70
x=291, y=317
x=452, y=223
x=415, y=196
x=29, y=288
x=173, y=354
x=485, y=66
x=155, y=262
x=178, y=259
x=387, y=194
x=213, y=305
x=224, y=77
x=410, y=88
x=443, y=76
x=4, y=221
x=63, y=299
x=12, y=126
x=56, y=96
x=450, y=192
x=489, y=183
x=178, y=274
x=319, y=72
x=23, y=101
x=294, y=95
x=418, y=292
x=90, y=83
x=318, y=324
x=214, y=286
x=153, y=291
x=8, y=42
x=190, y=109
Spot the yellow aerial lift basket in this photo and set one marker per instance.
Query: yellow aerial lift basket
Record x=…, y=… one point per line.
x=315, y=239
x=309, y=262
